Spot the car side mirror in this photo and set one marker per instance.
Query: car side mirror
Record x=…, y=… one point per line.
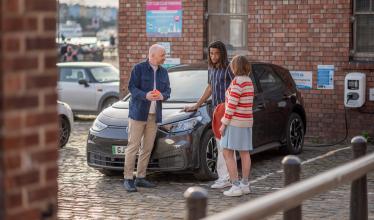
x=83, y=82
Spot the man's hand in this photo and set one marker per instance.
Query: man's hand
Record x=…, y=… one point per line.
x=151, y=96
x=190, y=108
x=222, y=129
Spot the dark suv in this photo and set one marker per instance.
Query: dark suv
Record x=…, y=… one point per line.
x=185, y=140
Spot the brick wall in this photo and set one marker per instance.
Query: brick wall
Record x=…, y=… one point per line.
x=297, y=34
x=300, y=35
x=134, y=43
x=29, y=125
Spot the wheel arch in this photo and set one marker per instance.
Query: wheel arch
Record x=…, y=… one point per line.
x=105, y=97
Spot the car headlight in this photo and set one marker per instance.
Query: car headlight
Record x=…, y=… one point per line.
x=180, y=126
x=98, y=125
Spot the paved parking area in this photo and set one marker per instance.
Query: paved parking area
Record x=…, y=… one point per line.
x=85, y=193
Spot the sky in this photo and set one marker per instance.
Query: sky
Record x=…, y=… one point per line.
x=101, y=3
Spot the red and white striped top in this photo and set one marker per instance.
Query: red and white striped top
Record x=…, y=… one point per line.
x=239, y=103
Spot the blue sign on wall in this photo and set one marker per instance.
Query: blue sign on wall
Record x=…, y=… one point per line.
x=325, y=76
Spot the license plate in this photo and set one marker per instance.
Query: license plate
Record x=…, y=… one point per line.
x=118, y=150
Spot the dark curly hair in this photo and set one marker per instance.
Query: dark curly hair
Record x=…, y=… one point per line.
x=223, y=60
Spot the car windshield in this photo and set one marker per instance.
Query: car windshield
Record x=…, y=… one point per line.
x=186, y=86
x=105, y=74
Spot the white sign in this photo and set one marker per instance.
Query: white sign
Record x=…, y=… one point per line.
x=325, y=76
x=303, y=79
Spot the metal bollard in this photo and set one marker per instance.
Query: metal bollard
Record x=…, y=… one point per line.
x=292, y=168
x=359, y=195
x=196, y=198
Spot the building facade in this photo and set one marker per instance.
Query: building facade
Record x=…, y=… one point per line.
x=300, y=35
x=28, y=113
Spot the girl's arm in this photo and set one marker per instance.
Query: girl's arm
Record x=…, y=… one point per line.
x=232, y=102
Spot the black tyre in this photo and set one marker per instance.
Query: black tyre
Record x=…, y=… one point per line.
x=110, y=172
x=294, y=135
x=208, y=158
x=64, y=131
x=108, y=102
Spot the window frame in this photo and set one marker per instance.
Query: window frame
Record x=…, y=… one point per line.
x=354, y=54
x=235, y=15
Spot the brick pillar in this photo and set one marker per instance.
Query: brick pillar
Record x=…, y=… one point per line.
x=28, y=117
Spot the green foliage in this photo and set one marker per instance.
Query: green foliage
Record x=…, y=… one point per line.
x=367, y=136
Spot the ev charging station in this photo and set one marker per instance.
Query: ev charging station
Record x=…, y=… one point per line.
x=354, y=90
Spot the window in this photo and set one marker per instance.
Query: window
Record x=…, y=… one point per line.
x=269, y=81
x=363, y=30
x=72, y=75
x=227, y=22
x=105, y=74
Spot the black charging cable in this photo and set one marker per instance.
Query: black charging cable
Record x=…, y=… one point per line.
x=340, y=141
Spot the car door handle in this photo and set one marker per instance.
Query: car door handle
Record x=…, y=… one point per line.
x=260, y=106
x=285, y=96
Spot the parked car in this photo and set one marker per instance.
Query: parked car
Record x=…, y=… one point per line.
x=185, y=140
x=88, y=87
x=66, y=122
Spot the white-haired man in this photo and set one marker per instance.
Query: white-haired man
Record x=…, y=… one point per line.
x=149, y=85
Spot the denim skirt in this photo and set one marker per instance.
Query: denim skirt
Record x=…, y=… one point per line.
x=236, y=138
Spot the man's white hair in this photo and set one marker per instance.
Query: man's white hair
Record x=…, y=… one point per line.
x=154, y=49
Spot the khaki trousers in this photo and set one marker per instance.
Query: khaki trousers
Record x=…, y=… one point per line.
x=141, y=138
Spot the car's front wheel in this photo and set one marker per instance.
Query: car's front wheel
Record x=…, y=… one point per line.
x=208, y=158
x=64, y=131
x=294, y=135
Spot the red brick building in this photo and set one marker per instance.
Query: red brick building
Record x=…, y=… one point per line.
x=296, y=34
x=28, y=116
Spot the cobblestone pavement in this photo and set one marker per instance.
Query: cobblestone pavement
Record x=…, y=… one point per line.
x=85, y=193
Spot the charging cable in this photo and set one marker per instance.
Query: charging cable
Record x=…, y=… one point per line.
x=338, y=142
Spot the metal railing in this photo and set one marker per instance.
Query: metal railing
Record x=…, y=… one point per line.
x=289, y=199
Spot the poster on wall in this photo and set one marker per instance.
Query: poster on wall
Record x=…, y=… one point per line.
x=164, y=18
x=303, y=79
x=325, y=76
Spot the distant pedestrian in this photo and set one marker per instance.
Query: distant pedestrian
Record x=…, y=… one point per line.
x=70, y=55
x=236, y=128
x=149, y=87
x=112, y=45
x=112, y=40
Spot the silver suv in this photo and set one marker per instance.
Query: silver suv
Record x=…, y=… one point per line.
x=88, y=87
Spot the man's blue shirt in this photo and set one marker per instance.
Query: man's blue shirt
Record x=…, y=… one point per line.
x=141, y=82
x=219, y=80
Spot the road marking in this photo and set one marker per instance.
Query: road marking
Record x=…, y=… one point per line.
x=302, y=163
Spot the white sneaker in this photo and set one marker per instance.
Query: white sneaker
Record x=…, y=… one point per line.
x=233, y=191
x=220, y=184
x=245, y=188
